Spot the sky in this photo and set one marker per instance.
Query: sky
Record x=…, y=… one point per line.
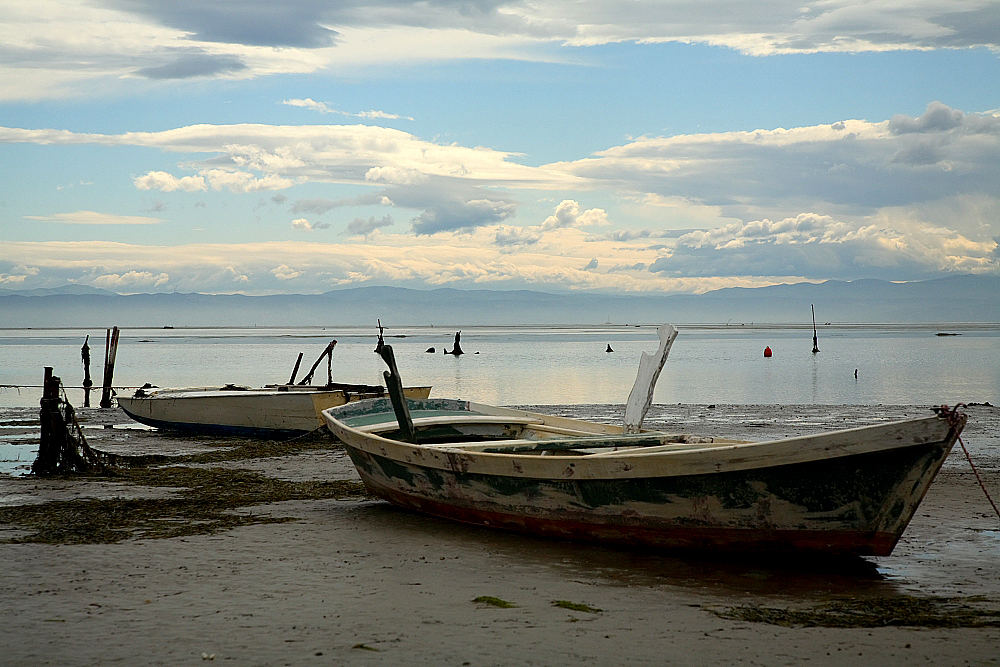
x=656, y=147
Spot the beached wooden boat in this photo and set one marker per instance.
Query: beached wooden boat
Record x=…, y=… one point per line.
x=849, y=491
x=272, y=411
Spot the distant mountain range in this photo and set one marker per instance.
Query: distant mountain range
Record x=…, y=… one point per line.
x=954, y=299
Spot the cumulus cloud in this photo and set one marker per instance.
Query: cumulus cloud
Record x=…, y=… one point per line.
x=821, y=247
x=130, y=279
x=569, y=214
x=363, y=227
x=95, y=218
x=304, y=225
x=284, y=272
x=853, y=167
x=161, y=180
x=462, y=215
x=510, y=236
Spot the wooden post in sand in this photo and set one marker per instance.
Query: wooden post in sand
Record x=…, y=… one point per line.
x=51, y=422
x=110, y=351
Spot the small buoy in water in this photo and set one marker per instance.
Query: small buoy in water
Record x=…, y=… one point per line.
x=855, y=373
x=767, y=351
x=609, y=348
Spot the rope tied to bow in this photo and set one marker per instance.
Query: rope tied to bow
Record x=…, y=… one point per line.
x=956, y=419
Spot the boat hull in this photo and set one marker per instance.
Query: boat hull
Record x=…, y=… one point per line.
x=845, y=492
x=798, y=507
x=254, y=412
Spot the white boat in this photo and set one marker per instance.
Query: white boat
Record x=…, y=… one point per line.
x=271, y=411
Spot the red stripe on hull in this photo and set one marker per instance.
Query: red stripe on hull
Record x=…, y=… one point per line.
x=672, y=537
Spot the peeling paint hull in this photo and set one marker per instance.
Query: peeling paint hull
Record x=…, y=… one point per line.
x=844, y=492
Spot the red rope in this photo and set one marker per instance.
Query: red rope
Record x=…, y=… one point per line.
x=978, y=478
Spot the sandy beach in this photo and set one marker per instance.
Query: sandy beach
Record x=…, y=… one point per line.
x=326, y=575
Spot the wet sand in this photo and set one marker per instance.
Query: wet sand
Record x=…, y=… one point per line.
x=355, y=581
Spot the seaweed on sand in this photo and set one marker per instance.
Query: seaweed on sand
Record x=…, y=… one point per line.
x=203, y=500
x=902, y=610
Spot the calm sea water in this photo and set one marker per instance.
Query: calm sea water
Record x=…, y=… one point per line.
x=904, y=365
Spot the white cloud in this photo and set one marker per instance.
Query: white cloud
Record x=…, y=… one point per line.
x=851, y=168
x=821, y=247
x=569, y=214
x=130, y=279
x=323, y=107
x=95, y=218
x=285, y=272
x=161, y=180
x=73, y=48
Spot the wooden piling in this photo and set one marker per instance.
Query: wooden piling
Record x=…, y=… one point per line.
x=295, y=371
x=87, y=382
x=110, y=351
x=51, y=427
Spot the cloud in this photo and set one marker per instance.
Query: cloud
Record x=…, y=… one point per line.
x=462, y=215
x=247, y=158
x=515, y=237
x=852, y=167
x=95, y=218
x=74, y=48
x=18, y=275
x=195, y=63
x=130, y=279
x=292, y=23
x=304, y=225
x=322, y=107
x=363, y=227
x=161, y=180
x=284, y=272
x=821, y=247
x=569, y=214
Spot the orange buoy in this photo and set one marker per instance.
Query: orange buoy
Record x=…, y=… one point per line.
x=767, y=351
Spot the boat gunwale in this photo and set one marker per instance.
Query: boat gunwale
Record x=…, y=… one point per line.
x=933, y=430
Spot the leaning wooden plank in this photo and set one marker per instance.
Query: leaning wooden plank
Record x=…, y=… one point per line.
x=650, y=365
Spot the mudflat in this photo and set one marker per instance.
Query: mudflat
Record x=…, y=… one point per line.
x=272, y=554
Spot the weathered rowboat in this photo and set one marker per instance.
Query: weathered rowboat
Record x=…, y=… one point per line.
x=272, y=411
x=849, y=491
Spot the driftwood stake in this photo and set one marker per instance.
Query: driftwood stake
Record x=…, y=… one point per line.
x=87, y=382
x=328, y=352
x=295, y=371
x=457, y=350
x=110, y=352
x=49, y=445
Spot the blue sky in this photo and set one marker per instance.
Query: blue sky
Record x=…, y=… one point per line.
x=299, y=147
